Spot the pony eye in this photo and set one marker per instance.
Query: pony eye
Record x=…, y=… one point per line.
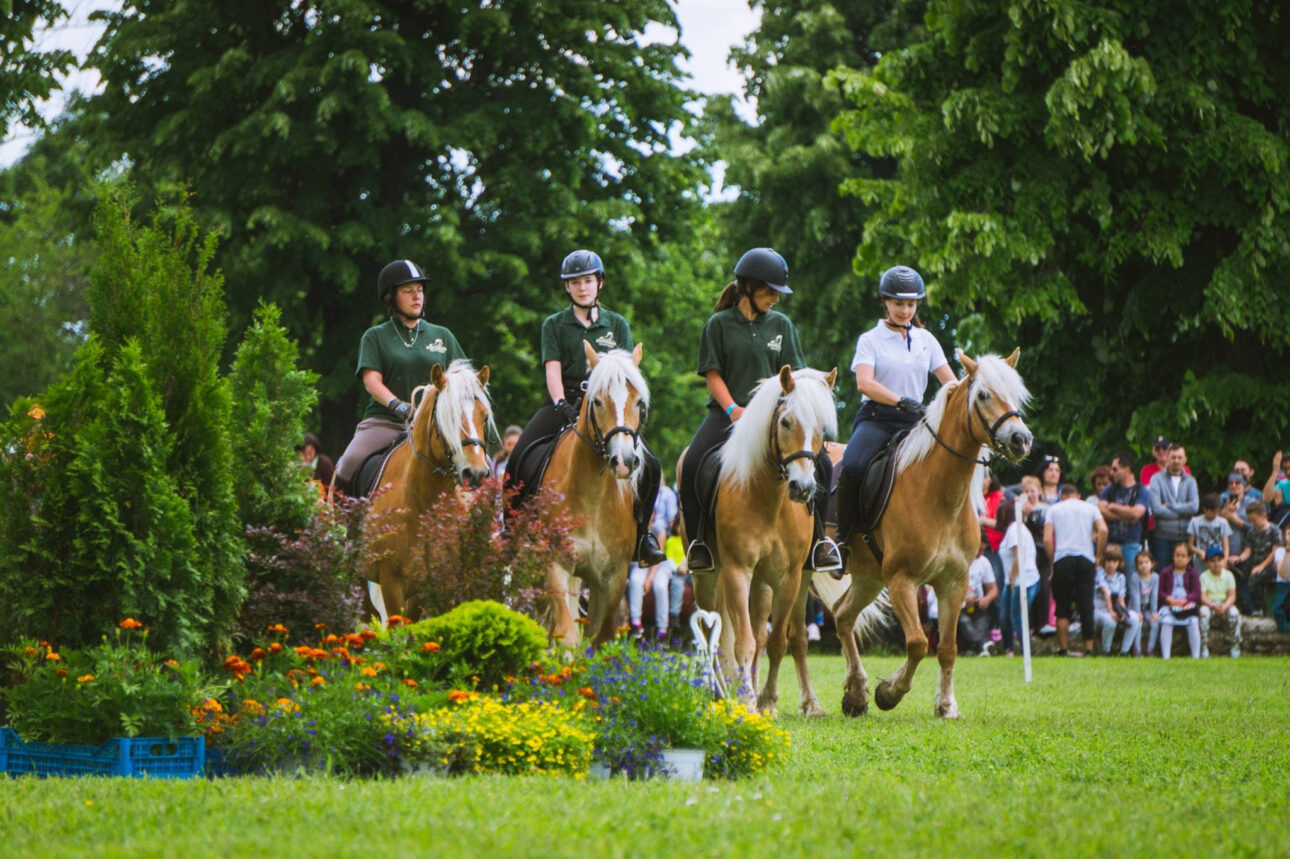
x=596, y=402
x=984, y=395
x=786, y=422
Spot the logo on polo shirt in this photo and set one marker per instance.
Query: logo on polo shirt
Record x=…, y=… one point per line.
x=776, y=344
x=436, y=345
x=607, y=340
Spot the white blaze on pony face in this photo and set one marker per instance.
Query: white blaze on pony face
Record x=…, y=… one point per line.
x=463, y=416
x=616, y=401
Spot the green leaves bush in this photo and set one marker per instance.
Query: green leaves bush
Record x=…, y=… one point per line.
x=480, y=639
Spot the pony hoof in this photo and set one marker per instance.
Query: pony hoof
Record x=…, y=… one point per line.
x=854, y=705
x=812, y=709
x=883, y=697
x=951, y=712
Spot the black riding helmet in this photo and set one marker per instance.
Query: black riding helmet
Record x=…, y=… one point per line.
x=901, y=281
x=396, y=274
x=582, y=262
x=766, y=265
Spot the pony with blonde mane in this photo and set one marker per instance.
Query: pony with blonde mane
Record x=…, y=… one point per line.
x=931, y=531
x=763, y=530
x=594, y=469
x=443, y=452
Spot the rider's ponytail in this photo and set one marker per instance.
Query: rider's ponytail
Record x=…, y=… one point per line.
x=735, y=290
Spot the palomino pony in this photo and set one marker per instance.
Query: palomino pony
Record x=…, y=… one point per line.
x=594, y=469
x=444, y=450
x=930, y=531
x=763, y=530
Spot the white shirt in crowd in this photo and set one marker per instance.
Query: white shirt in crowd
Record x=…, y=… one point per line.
x=980, y=574
x=1018, y=542
x=1072, y=522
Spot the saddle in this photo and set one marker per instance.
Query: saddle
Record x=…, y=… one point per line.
x=532, y=464
x=370, y=473
x=707, y=479
x=875, y=490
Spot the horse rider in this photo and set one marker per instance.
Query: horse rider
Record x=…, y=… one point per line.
x=744, y=341
x=564, y=360
x=393, y=358
x=891, y=363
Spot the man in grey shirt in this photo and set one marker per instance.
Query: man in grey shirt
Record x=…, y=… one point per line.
x=1174, y=500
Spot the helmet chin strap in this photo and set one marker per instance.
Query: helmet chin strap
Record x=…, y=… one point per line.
x=907, y=329
x=757, y=312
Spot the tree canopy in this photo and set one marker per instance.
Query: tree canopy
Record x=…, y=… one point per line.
x=1106, y=186
x=27, y=74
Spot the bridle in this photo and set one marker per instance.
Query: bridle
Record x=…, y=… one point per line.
x=598, y=440
x=991, y=429
x=780, y=461
x=443, y=470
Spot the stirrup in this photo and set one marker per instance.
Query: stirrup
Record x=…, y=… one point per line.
x=698, y=557
x=825, y=557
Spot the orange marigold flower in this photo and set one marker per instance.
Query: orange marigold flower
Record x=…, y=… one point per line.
x=44, y=644
x=277, y=627
x=52, y=656
x=459, y=695
x=36, y=413
x=30, y=652
x=379, y=666
x=353, y=639
x=581, y=620
x=557, y=635
x=369, y=671
x=430, y=647
x=367, y=634
x=171, y=663
x=129, y=623
x=275, y=647
x=320, y=626
x=286, y=705
x=258, y=654
x=211, y=705
x=252, y=707
x=62, y=672
x=409, y=682
x=85, y=678
x=341, y=652
x=397, y=620
x=330, y=639
x=623, y=628
x=587, y=692
x=319, y=680
x=362, y=687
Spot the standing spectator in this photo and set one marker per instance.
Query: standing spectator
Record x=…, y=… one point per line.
x=503, y=456
x=1276, y=492
x=1259, y=556
x=1180, y=595
x=1050, y=479
x=1075, y=536
x=321, y=468
x=1218, y=599
x=1124, y=505
x=1099, y=478
x=1160, y=453
x=974, y=618
x=992, y=492
x=1109, y=607
x=1244, y=469
x=1282, y=582
x=1021, y=573
x=1144, y=599
x=1208, y=530
x=1236, y=501
x=1174, y=500
x=1033, y=511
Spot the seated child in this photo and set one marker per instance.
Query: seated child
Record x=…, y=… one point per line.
x=1261, y=541
x=1180, y=598
x=1208, y=529
x=1218, y=599
x=1144, y=601
x=1109, y=608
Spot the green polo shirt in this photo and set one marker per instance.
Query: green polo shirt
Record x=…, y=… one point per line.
x=563, y=336
x=747, y=351
x=386, y=349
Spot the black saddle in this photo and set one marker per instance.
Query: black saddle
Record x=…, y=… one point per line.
x=875, y=490
x=706, y=480
x=531, y=466
x=372, y=470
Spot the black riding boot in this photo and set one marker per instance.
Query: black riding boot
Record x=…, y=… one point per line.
x=824, y=555
x=846, y=503
x=648, y=553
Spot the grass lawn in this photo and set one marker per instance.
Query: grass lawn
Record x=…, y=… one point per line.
x=1095, y=757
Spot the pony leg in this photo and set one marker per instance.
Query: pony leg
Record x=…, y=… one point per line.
x=378, y=600
x=761, y=602
x=732, y=604
x=776, y=647
x=855, y=688
x=562, y=628
x=809, y=705
x=604, y=602
x=392, y=599
x=950, y=598
x=904, y=603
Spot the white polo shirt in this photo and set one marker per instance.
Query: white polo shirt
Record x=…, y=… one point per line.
x=902, y=366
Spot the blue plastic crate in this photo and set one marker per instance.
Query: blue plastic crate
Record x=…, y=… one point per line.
x=156, y=757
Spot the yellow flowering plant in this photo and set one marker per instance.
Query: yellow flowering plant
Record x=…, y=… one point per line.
x=751, y=742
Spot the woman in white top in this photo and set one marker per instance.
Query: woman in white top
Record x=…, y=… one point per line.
x=892, y=362
x=1020, y=570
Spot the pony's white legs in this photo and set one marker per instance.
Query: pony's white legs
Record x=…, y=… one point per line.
x=776, y=643
x=560, y=597
x=761, y=602
x=864, y=588
x=949, y=597
x=904, y=603
x=602, y=606
x=378, y=600
x=737, y=657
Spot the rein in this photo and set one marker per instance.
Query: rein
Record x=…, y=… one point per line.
x=778, y=459
x=991, y=429
x=443, y=470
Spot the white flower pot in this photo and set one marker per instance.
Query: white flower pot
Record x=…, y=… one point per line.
x=682, y=764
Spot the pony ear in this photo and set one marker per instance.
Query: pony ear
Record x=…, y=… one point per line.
x=966, y=361
x=482, y=376
x=636, y=355
x=592, y=358
x=1011, y=360
x=436, y=377
x=832, y=378
x=786, y=382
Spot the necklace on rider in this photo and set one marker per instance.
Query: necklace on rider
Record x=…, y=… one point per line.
x=415, y=332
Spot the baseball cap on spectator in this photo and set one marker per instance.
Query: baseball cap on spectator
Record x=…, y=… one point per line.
x=1235, y=477
x=1213, y=552
x=1161, y=441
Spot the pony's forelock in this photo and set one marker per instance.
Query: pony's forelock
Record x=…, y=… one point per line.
x=615, y=370
x=810, y=401
x=460, y=392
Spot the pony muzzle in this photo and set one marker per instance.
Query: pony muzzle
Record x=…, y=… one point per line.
x=1015, y=439
x=801, y=487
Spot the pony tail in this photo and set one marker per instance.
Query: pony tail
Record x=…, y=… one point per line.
x=729, y=297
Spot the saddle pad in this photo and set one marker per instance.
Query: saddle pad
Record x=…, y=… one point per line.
x=372, y=470
x=531, y=466
x=875, y=486
x=706, y=481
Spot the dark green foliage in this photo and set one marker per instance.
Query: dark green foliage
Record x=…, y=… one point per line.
x=27, y=75
x=482, y=639
x=271, y=399
x=1106, y=186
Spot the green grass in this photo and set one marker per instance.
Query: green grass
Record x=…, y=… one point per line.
x=1095, y=757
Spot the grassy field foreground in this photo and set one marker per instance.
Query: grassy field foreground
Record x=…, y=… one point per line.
x=1095, y=757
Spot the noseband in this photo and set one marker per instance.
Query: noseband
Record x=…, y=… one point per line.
x=599, y=441
x=991, y=429
x=443, y=470
x=777, y=453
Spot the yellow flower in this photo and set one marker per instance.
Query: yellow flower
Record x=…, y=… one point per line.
x=85, y=678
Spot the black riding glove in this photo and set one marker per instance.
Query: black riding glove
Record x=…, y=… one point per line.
x=401, y=409
x=911, y=407
x=568, y=411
